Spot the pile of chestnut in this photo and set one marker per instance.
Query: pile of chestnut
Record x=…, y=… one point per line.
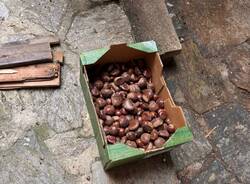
x=128, y=108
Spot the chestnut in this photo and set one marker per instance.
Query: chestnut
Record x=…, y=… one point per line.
x=126, y=76
x=134, y=88
x=124, y=87
x=133, y=124
x=131, y=143
x=142, y=83
x=131, y=136
x=139, y=143
x=121, y=132
x=109, y=102
x=123, y=111
x=159, y=142
x=145, y=138
x=109, y=120
x=124, y=122
x=118, y=112
x=147, y=126
x=106, y=93
x=130, y=71
x=128, y=105
x=151, y=86
x=147, y=73
x=109, y=110
x=102, y=115
x=101, y=102
x=162, y=114
x=105, y=77
x=111, y=139
x=133, y=96
x=139, y=132
x=123, y=139
x=106, y=130
x=133, y=78
x=115, y=72
x=150, y=146
x=119, y=81
x=153, y=135
x=153, y=106
x=160, y=102
x=116, y=118
x=115, y=87
x=157, y=122
x=137, y=71
x=116, y=124
x=164, y=133
x=146, y=116
x=98, y=84
x=95, y=92
x=113, y=130
x=116, y=100
x=171, y=128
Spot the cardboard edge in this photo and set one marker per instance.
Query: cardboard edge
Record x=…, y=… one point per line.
x=91, y=57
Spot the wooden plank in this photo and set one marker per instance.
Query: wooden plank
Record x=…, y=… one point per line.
x=24, y=54
x=150, y=20
x=58, y=56
x=29, y=73
x=34, y=84
x=51, y=39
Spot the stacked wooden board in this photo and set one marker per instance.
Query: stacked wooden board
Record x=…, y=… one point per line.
x=30, y=63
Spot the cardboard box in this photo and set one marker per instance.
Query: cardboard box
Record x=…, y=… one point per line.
x=118, y=154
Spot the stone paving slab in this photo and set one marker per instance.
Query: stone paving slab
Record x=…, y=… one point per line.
x=232, y=137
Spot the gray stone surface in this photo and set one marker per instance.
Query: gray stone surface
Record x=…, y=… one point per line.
x=4, y=12
x=214, y=174
x=239, y=66
x=231, y=137
x=47, y=13
x=29, y=161
x=158, y=169
x=196, y=150
x=99, y=27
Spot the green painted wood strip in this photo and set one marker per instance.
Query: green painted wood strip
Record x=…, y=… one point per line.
x=148, y=46
x=93, y=119
x=121, y=151
x=182, y=135
x=91, y=57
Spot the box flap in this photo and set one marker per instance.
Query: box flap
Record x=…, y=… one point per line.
x=93, y=56
x=148, y=46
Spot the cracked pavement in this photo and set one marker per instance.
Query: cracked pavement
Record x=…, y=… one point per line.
x=46, y=136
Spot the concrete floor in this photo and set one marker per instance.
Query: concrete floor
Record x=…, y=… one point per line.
x=46, y=137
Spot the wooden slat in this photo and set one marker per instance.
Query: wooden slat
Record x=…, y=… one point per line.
x=51, y=39
x=29, y=73
x=58, y=56
x=37, y=84
x=23, y=54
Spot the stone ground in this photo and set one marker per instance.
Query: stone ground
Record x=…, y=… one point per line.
x=46, y=137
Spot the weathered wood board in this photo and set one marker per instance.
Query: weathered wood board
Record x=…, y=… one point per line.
x=24, y=54
x=52, y=40
x=33, y=84
x=37, y=72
